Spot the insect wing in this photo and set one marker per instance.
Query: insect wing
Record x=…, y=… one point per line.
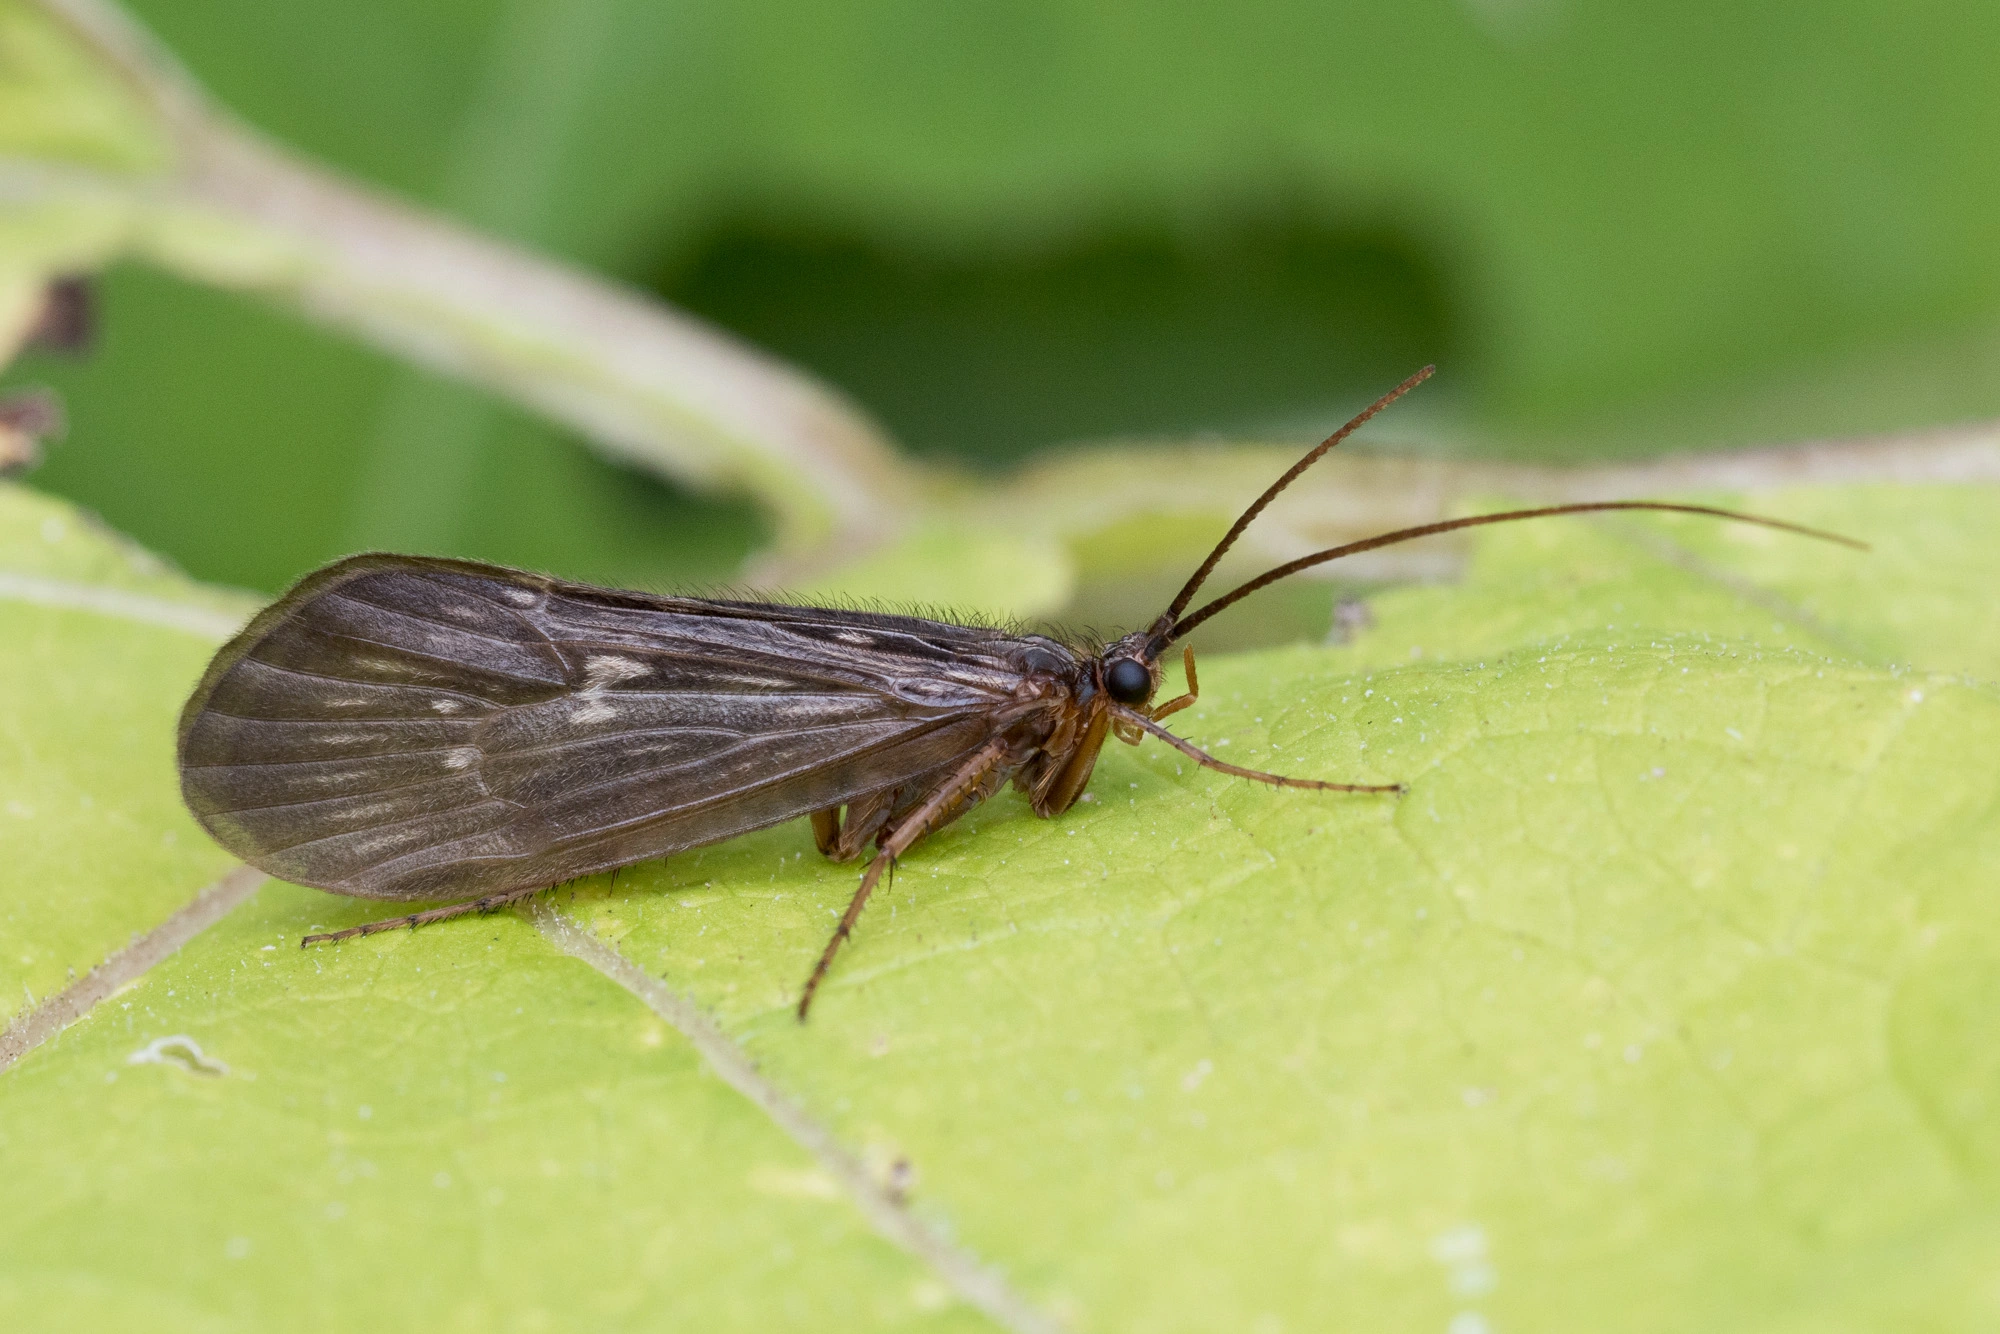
x=404, y=728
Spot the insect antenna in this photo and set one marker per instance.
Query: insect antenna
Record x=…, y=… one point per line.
x=1195, y=581
x=1187, y=623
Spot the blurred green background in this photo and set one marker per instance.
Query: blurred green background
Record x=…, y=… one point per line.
x=1001, y=227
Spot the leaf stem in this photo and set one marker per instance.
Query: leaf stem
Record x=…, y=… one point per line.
x=646, y=384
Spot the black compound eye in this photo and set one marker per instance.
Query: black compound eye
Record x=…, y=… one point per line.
x=1128, y=681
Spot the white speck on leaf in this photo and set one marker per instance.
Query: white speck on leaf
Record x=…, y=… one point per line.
x=182, y=1053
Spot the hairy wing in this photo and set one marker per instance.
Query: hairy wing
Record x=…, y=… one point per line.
x=404, y=728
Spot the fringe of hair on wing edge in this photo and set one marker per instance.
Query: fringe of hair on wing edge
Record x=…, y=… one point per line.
x=1086, y=639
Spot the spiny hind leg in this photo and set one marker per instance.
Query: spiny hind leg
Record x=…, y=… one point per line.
x=912, y=798
x=416, y=919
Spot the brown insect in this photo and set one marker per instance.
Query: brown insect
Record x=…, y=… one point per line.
x=397, y=727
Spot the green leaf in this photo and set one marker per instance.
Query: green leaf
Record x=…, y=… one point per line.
x=1660, y=1002
x=98, y=643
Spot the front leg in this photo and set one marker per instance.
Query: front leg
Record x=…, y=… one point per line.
x=1129, y=732
x=1174, y=706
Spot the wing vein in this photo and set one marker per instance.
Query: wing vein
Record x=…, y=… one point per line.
x=267, y=665
x=346, y=595
x=731, y=794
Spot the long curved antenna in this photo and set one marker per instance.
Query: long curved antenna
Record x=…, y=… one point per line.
x=1194, y=583
x=1187, y=623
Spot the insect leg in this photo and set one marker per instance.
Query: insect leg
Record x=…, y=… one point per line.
x=1208, y=761
x=1173, y=706
x=934, y=811
x=826, y=830
x=416, y=919
x=843, y=839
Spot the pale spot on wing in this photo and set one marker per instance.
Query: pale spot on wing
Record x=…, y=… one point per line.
x=605, y=669
x=521, y=597
x=856, y=637
x=463, y=757
x=446, y=705
x=596, y=711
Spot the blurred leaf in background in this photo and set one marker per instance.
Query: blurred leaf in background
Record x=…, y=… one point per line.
x=1006, y=227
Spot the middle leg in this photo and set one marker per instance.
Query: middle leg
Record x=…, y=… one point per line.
x=947, y=800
